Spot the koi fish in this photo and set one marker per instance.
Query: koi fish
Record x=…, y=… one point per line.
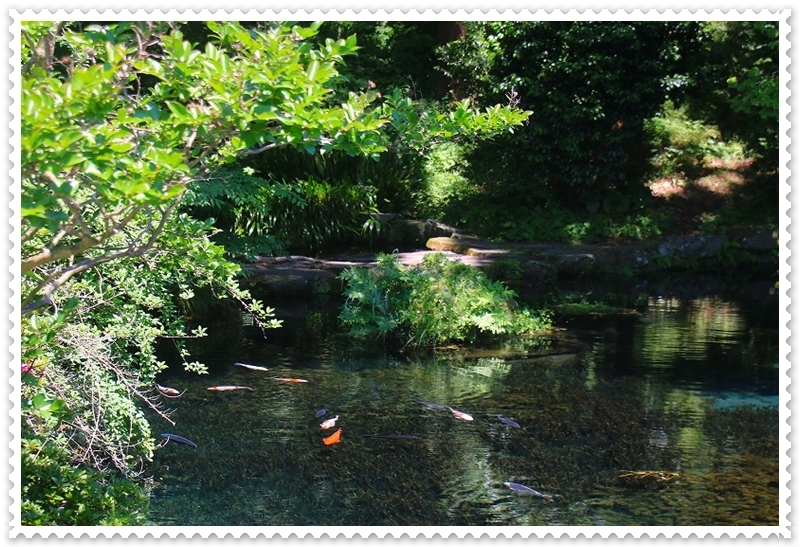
x=320, y=412
x=296, y=380
x=508, y=421
x=169, y=391
x=333, y=439
x=327, y=424
x=395, y=437
x=251, y=367
x=461, y=415
x=430, y=405
x=178, y=439
x=229, y=388
x=522, y=489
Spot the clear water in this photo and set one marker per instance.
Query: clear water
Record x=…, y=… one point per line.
x=668, y=418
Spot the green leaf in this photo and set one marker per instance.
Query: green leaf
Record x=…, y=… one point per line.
x=178, y=110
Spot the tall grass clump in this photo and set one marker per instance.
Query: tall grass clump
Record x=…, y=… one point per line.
x=438, y=301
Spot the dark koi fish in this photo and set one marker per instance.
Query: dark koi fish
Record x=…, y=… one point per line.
x=251, y=367
x=522, y=489
x=508, y=421
x=431, y=405
x=178, y=439
x=461, y=415
x=169, y=391
x=295, y=380
x=320, y=412
x=395, y=437
x=229, y=388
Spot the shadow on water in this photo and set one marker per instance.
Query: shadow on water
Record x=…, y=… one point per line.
x=670, y=418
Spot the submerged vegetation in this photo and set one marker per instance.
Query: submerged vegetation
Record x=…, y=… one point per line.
x=436, y=302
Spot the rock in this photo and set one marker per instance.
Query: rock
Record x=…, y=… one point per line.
x=286, y=276
x=411, y=232
x=434, y=228
x=699, y=246
x=448, y=244
x=761, y=240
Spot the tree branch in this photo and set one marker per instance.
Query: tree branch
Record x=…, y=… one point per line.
x=251, y=151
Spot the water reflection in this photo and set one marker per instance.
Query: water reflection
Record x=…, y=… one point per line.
x=686, y=389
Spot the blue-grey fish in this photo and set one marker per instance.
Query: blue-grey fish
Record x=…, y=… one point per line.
x=178, y=439
x=321, y=412
x=522, y=489
x=508, y=421
x=431, y=405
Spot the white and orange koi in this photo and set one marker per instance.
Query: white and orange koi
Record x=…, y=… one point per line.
x=169, y=391
x=295, y=380
x=251, y=367
x=461, y=415
x=229, y=388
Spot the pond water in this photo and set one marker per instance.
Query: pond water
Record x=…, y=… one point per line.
x=668, y=417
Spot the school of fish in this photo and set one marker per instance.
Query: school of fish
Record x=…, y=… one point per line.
x=336, y=437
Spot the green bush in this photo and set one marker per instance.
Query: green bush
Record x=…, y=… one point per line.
x=445, y=179
x=57, y=492
x=438, y=301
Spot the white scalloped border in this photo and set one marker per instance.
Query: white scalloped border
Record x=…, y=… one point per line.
x=36, y=11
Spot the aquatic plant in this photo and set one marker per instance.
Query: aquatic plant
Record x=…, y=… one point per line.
x=438, y=301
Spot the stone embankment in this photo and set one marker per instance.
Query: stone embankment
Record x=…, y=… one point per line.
x=287, y=276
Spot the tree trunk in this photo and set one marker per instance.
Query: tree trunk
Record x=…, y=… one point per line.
x=449, y=31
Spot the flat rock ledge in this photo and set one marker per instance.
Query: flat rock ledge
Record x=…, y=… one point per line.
x=296, y=275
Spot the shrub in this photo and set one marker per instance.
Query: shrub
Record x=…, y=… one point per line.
x=438, y=301
x=683, y=145
x=56, y=492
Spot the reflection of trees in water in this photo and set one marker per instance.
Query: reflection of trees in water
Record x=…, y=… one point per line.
x=585, y=417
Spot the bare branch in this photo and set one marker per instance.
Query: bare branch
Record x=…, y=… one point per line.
x=251, y=151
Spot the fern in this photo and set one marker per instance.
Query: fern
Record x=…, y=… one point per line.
x=439, y=301
x=257, y=215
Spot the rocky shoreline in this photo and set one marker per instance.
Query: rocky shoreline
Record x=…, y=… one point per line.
x=752, y=247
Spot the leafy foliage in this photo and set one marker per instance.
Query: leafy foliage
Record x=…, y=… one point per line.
x=56, y=492
x=683, y=146
x=734, y=83
x=392, y=54
x=306, y=214
x=114, y=134
x=591, y=86
x=438, y=301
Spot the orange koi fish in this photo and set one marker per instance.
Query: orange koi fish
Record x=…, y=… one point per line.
x=327, y=424
x=169, y=391
x=333, y=439
x=296, y=380
x=229, y=388
x=461, y=415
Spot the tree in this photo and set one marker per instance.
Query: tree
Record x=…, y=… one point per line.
x=118, y=123
x=733, y=81
x=591, y=85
